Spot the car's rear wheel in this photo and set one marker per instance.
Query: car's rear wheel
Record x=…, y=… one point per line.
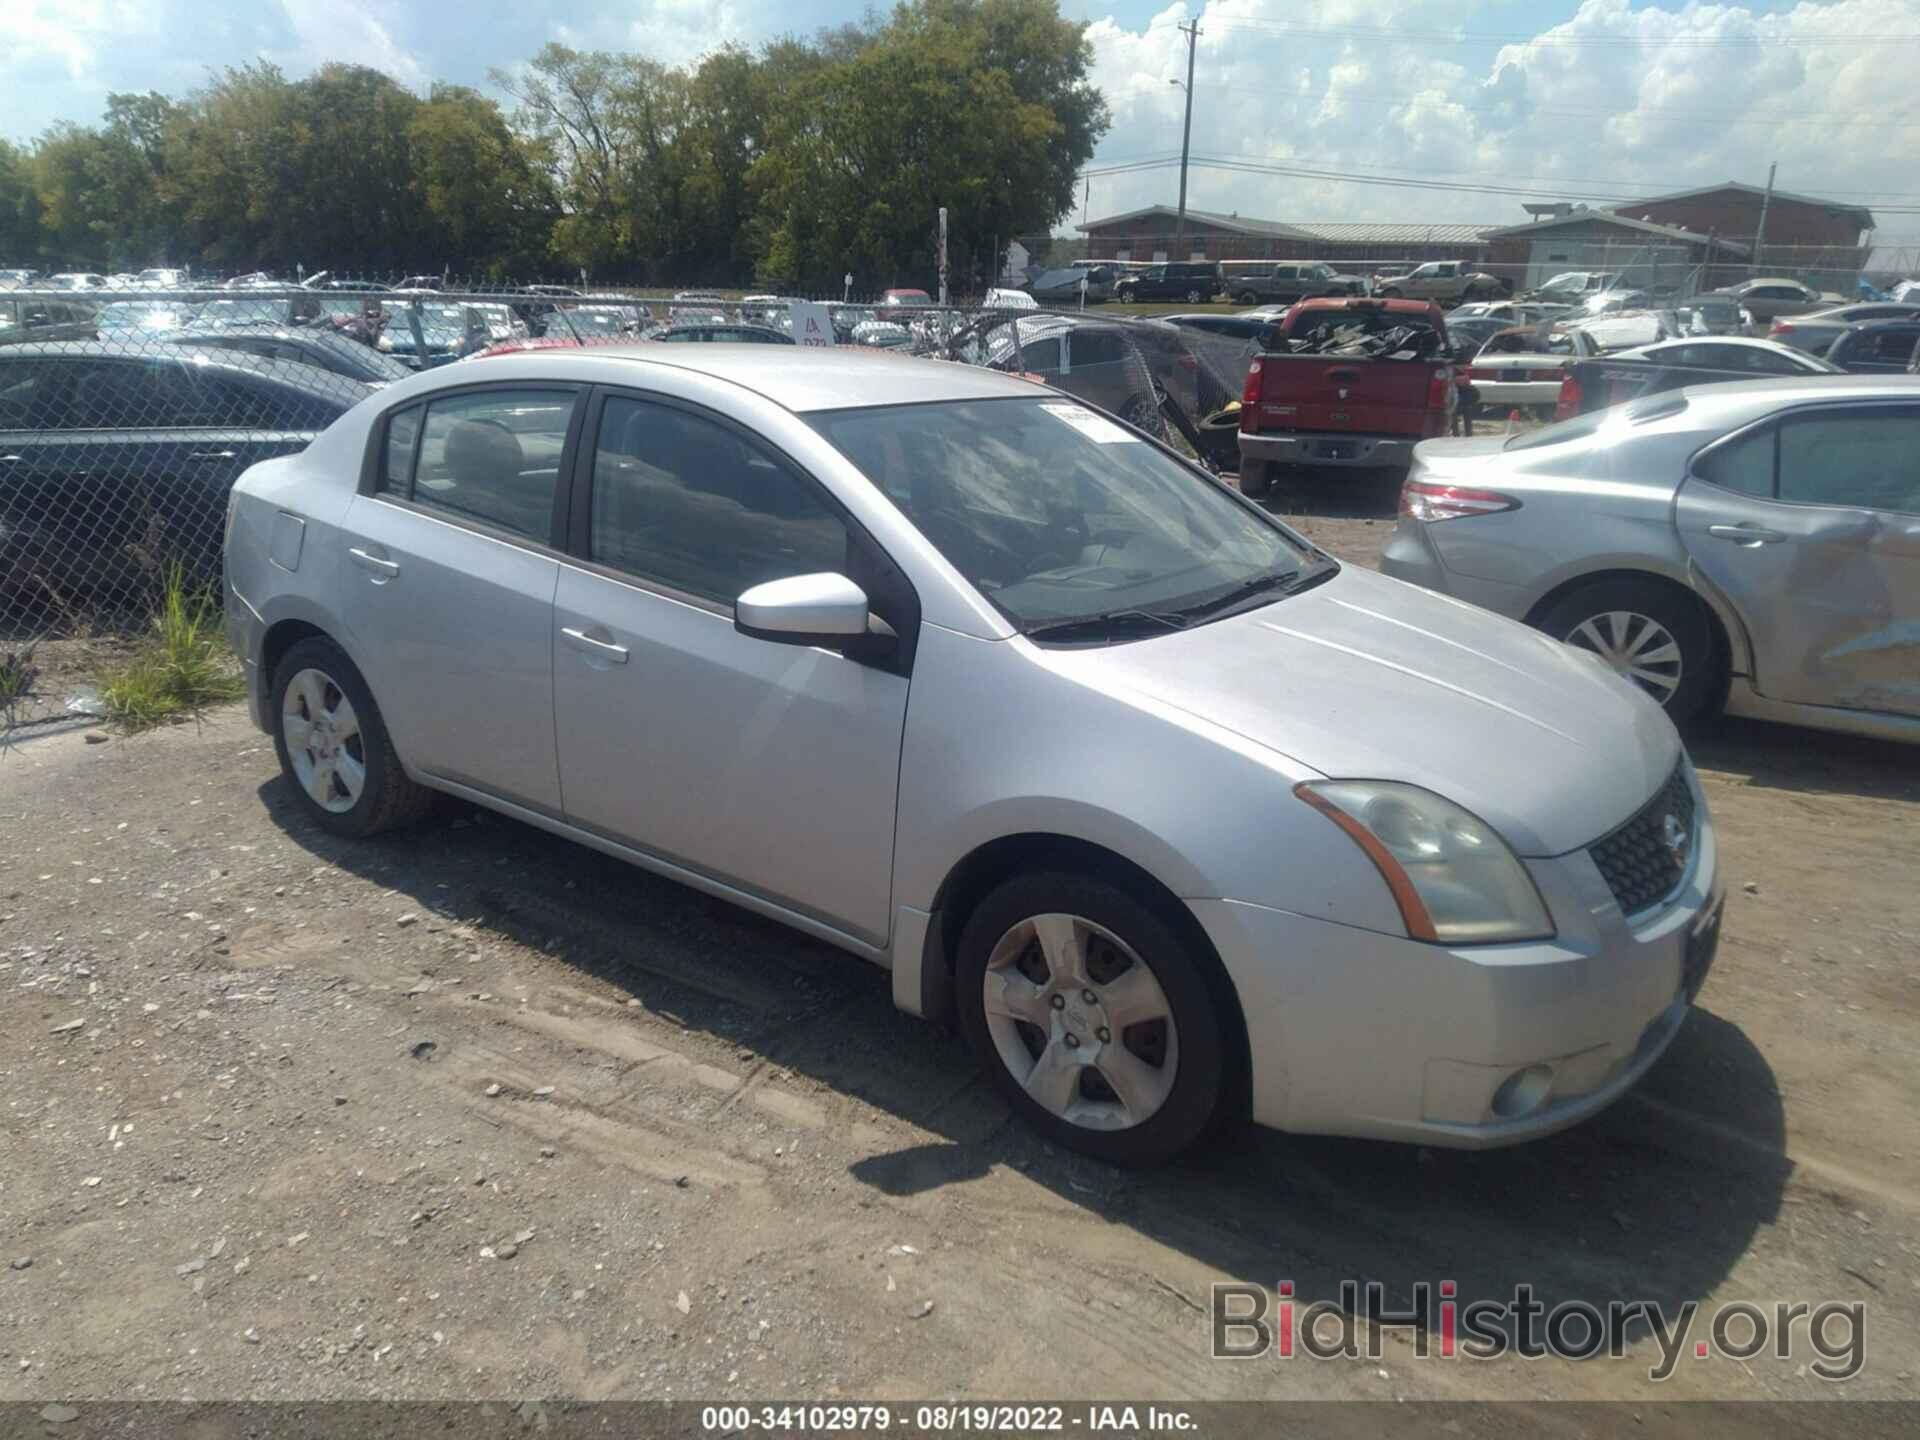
x=1092, y=1016
x=333, y=744
x=1390, y=293
x=1245, y=297
x=1652, y=635
x=1256, y=478
x=1194, y=297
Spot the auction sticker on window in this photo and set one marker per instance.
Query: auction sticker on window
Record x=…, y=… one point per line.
x=1096, y=428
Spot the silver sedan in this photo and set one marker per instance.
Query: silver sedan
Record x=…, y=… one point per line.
x=1177, y=817
x=1754, y=543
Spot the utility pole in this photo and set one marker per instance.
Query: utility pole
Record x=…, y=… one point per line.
x=1192, y=32
x=1760, y=230
x=943, y=255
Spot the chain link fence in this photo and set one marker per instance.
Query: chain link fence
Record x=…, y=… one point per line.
x=127, y=416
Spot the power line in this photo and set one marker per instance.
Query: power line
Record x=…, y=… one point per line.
x=1283, y=29
x=1632, y=190
x=1532, y=192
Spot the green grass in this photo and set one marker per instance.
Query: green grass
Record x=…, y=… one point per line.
x=17, y=672
x=181, y=667
x=1115, y=308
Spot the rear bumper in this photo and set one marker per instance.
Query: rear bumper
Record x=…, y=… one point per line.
x=1411, y=555
x=1517, y=392
x=1356, y=452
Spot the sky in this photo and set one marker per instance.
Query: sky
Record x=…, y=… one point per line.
x=1593, y=100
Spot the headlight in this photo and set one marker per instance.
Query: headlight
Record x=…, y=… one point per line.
x=1454, y=879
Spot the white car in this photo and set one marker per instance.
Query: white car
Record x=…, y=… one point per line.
x=1179, y=817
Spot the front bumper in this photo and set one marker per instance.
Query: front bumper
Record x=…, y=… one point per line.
x=1356, y=452
x=1357, y=1033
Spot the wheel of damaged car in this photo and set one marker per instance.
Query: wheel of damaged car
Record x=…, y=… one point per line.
x=1650, y=633
x=1256, y=478
x=1092, y=1016
x=333, y=744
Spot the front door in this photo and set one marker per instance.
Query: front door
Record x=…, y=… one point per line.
x=447, y=571
x=770, y=767
x=1811, y=526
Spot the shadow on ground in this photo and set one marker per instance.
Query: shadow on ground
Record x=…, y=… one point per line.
x=1655, y=1200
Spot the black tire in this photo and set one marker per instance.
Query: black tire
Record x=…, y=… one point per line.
x=1256, y=478
x=1248, y=298
x=1202, y=1060
x=1194, y=297
x=1392, y=292
x=389, y=798
x=1701, y=668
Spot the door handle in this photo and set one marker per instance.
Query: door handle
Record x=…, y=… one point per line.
x=211, y=454
x=379, y=565
x=1748, y=535
x=9, y=459
x=604, y=649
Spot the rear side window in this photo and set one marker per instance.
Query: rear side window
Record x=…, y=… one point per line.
x=1745, y=465
x=403, y=443
x=494, y=456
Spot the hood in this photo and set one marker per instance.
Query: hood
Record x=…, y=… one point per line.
x=1365, y=678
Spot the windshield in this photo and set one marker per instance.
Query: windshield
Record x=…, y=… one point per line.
x=1056, y=513
x=240, y=312
x=596, y=322
x=139, y=315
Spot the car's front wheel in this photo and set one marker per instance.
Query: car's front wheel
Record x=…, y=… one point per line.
x=1091, y=1015
x=1653, y=635
x=333, y=744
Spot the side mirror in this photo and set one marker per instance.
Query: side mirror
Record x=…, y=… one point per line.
x=824, y=609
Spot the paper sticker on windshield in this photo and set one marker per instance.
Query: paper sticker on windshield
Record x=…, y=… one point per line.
x=1096, y=428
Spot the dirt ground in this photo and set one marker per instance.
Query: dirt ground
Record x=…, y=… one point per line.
x=472, y=1111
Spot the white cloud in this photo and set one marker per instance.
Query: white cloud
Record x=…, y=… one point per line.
x=68, y=33
x=346, y=31
x=1614, y=101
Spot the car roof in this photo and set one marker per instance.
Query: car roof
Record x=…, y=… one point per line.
x=839, y=377
x=1739, y=342
x=1350, y=303
x=308, y=377
x=1755, y=398
x=1868, y=327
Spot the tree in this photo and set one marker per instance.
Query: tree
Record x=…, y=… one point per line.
x=483, y=196
x=982, y=106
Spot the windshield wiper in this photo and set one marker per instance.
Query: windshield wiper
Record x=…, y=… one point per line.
x=1108, y=623
x=1246, y=590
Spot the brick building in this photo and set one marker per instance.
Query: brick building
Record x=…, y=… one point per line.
x=1692, y=238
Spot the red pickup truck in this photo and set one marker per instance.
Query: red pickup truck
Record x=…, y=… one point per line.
x=1351, y=384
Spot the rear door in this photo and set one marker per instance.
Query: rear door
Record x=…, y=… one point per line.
x=1810, y=525
x=446, y=565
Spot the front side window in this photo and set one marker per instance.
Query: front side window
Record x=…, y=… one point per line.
x=494, y=456
x=683, y=501
x=1056, y=514
x=1864, y=458
x=114, y=394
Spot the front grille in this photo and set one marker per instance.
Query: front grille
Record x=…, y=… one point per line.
x=1640, y=867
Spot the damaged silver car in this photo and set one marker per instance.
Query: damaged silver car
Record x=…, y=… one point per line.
x=1754, y=545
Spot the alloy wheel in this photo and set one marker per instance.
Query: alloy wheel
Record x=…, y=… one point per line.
x=324, y=743
x=1636, y=646
x=1081, y=1022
